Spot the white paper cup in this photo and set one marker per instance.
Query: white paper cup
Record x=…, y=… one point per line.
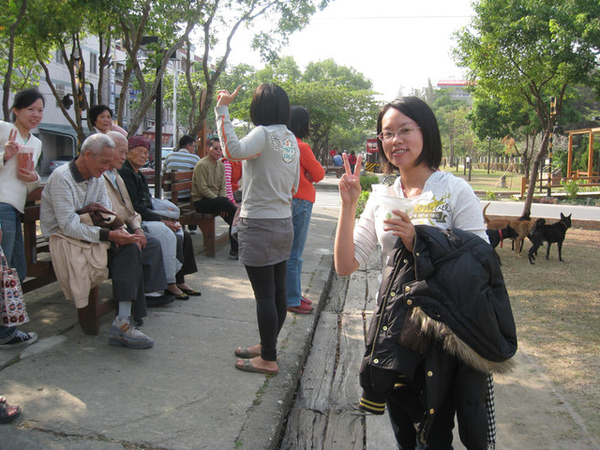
x=389, y=203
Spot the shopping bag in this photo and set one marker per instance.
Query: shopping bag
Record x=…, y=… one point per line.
x=165, y=208
x=13, y=304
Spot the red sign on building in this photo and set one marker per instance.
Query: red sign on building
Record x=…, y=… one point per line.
x=372, y=146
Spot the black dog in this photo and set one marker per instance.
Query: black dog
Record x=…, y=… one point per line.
x=497, y=236
x=549, y=233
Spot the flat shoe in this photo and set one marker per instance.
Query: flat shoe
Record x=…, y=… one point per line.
x=158, y=301
x=182, y=296
x=192, y=292
x=8, y=413
x=247, y=366
x=245, y=353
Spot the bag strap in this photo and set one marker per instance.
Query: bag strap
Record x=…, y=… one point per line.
x=4, y=260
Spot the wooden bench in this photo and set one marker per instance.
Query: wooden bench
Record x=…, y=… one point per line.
x=177, y=181
x=40, y=271
x=338, y=170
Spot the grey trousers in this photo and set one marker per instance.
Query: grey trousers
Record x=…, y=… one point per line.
x=153, y=265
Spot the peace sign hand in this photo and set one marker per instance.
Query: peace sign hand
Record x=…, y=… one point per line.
x=350, y=183
x=11, y=147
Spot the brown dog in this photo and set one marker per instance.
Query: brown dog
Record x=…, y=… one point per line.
x=523, y=226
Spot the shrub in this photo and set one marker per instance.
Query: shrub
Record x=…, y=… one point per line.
x=362, y=201
x=367, y=182
x=491, y=195
x=571, y=187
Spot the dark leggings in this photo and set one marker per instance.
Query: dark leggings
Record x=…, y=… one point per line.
x=269, y=285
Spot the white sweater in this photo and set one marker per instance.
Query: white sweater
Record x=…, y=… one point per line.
x=13, y=190
x=271, y=167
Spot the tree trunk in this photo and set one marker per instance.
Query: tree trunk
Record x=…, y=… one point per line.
x=534, y=171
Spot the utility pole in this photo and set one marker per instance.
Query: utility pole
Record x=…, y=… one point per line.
x=489, y=152
x=550, y=142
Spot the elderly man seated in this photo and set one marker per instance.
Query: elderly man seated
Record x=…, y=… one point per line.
x=177, y=246
x=79, y=248
x=155, y=280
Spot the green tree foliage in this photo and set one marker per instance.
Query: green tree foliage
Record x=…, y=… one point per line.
x=221, y=21
x=457, y=137
x=59, y=25
x=340, y=100
x=14, y=52
x=526, y=51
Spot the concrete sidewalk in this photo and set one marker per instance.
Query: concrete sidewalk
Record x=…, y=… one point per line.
x=78, y=392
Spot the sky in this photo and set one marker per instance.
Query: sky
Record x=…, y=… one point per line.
x=398, y=45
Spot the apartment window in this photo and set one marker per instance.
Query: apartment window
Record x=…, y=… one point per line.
x=59, y=57
x=93, y=63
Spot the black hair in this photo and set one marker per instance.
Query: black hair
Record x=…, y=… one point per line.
x=24, y=99
x=186, y=140
x=417, y=110
x=95, y=111
x=270, y=105
x=300, y=122
x=211, y=141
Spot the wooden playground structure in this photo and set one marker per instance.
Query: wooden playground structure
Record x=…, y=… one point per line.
x=588, y=178
x=590, y=175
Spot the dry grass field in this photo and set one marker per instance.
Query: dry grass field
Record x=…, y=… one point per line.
x=557, y=309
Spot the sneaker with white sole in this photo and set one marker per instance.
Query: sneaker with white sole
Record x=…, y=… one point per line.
x=126, y=333
x=20, y=339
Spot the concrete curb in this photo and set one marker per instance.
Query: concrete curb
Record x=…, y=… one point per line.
x=266, y=421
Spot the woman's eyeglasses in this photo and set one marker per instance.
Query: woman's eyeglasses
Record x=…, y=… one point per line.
x=389, y=135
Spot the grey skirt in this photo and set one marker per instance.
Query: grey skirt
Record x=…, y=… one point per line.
x=264, y=242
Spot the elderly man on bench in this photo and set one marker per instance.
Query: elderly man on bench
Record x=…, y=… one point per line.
x=155, y=280
x=75, y=187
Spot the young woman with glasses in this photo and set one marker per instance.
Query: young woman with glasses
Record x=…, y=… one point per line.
x=409, y=142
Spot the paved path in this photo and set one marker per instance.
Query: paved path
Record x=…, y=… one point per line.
x=79, y=393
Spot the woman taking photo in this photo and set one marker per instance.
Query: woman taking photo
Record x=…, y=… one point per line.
x=270, y=165
x=17, y=179
x=409, y=141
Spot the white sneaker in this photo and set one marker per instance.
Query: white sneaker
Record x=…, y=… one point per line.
x=125, y=332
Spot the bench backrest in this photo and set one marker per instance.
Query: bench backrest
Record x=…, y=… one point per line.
x=176, y=181
x=33, y=245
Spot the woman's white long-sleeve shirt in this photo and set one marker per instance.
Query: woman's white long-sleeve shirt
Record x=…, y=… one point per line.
x=446, y=202
x=270, y=163
x=12, y=189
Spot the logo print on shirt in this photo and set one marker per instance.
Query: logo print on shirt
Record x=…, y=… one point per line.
x=285, y=147
x=433, y=211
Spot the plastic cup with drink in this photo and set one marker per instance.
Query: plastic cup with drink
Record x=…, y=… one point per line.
x=25, y=158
